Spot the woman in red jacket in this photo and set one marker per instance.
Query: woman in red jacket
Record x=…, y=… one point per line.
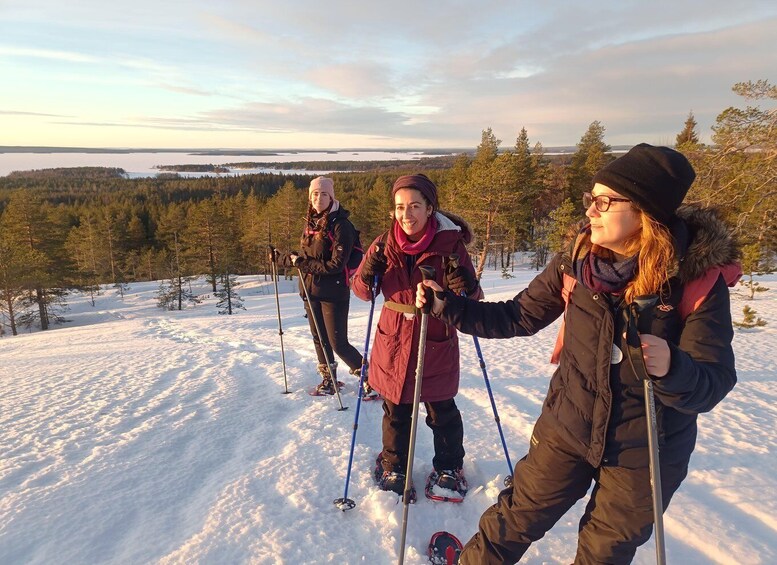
x=420, y=235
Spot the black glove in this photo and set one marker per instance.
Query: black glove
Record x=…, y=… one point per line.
x=274, y=255
x=462, y=279
x=375, y=264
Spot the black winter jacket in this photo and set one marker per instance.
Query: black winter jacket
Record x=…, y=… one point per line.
x=324, y=258
x=598, y=406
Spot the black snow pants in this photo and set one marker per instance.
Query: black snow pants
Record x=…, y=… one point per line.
x=546, y=483
x=332, y=318
x=442, y=417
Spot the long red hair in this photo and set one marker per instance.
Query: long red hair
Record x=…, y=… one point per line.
x=656, y=263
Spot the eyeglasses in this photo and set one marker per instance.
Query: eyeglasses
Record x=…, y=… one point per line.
x=602, y=202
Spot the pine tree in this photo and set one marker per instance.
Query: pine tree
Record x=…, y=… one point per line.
x=254, y=235
x=82, y=245
x=737, y=175
x=285, y=213
x=373, y=214
x=199, y=239
x=750, y=320
x=490, y=192
x=13, y=265
x=552, y=232
x=121, y=287
x=26, y=223
x=175, y=291
x=528, y=170
x=751, y=258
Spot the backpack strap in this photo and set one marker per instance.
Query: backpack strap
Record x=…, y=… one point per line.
x=568, y=286
x=330, y=232
x=695, y=291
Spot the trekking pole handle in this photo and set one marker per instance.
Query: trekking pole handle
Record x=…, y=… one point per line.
x=273, y=253
x=428, y=273
x=379, y=247
x=644, y=306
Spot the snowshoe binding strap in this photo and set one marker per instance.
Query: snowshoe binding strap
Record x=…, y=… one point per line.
x=450, y=481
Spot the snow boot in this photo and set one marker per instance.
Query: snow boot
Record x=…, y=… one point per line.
x=391, y=481
x=327, y=380
x=368, y=393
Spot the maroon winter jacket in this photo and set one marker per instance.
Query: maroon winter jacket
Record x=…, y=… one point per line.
x=395, y=347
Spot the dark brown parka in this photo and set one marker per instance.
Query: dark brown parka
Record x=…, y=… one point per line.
x=596, y=406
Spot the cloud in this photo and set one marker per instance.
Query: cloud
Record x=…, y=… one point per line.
x=20, y=113
x=353, y=80
x=48, y=54
x=307, y=116
x=404, y=69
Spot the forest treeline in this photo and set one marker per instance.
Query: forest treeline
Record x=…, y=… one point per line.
x=77, y=229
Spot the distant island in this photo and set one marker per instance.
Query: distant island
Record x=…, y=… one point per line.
x=193, y=168
x=219, y=152
x=70, y=172
x=339, y=166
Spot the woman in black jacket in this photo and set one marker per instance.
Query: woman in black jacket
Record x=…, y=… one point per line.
x=326, y=245
x=593, y=422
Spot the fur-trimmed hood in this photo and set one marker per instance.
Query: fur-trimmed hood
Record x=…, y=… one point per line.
x=703, y=241
x=466, y=230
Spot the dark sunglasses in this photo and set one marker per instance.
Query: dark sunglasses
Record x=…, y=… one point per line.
x=602, y=202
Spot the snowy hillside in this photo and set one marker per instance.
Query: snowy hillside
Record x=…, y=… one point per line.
x=133, y=435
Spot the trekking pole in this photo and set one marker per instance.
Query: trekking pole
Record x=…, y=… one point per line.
x=643, y=311
x=428, y=273
x=346, y=503
x=321, y=341
x=453, y=260
x=278, y=306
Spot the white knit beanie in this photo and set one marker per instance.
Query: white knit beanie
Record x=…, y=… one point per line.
x=322, y=184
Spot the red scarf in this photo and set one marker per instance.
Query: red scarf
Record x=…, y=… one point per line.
x=415, y=247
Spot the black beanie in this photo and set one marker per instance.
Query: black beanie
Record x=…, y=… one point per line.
x=655, y=178
x=421, y=183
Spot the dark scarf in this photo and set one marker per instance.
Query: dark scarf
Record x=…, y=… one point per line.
x=604, y=275
x=317, y=221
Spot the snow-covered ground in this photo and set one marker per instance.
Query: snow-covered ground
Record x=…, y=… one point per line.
x=134, y=435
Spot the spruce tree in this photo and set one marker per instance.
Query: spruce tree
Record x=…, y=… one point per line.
x=229, y=299
x=688, y=138
x=591, y=155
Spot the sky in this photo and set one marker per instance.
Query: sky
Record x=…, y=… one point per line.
x=131, y=435
x=339, y=74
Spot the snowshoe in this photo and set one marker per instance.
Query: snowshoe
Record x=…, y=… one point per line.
x=444, y=549
x=446, y=486
x=391, y=481
x=325, y=388
x=367, y=392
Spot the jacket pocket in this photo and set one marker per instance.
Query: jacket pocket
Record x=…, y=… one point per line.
x=386, y=348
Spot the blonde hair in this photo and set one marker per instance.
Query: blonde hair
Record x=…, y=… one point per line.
x=656, y=263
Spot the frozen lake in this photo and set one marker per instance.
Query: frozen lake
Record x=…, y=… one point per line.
x=142, y=164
